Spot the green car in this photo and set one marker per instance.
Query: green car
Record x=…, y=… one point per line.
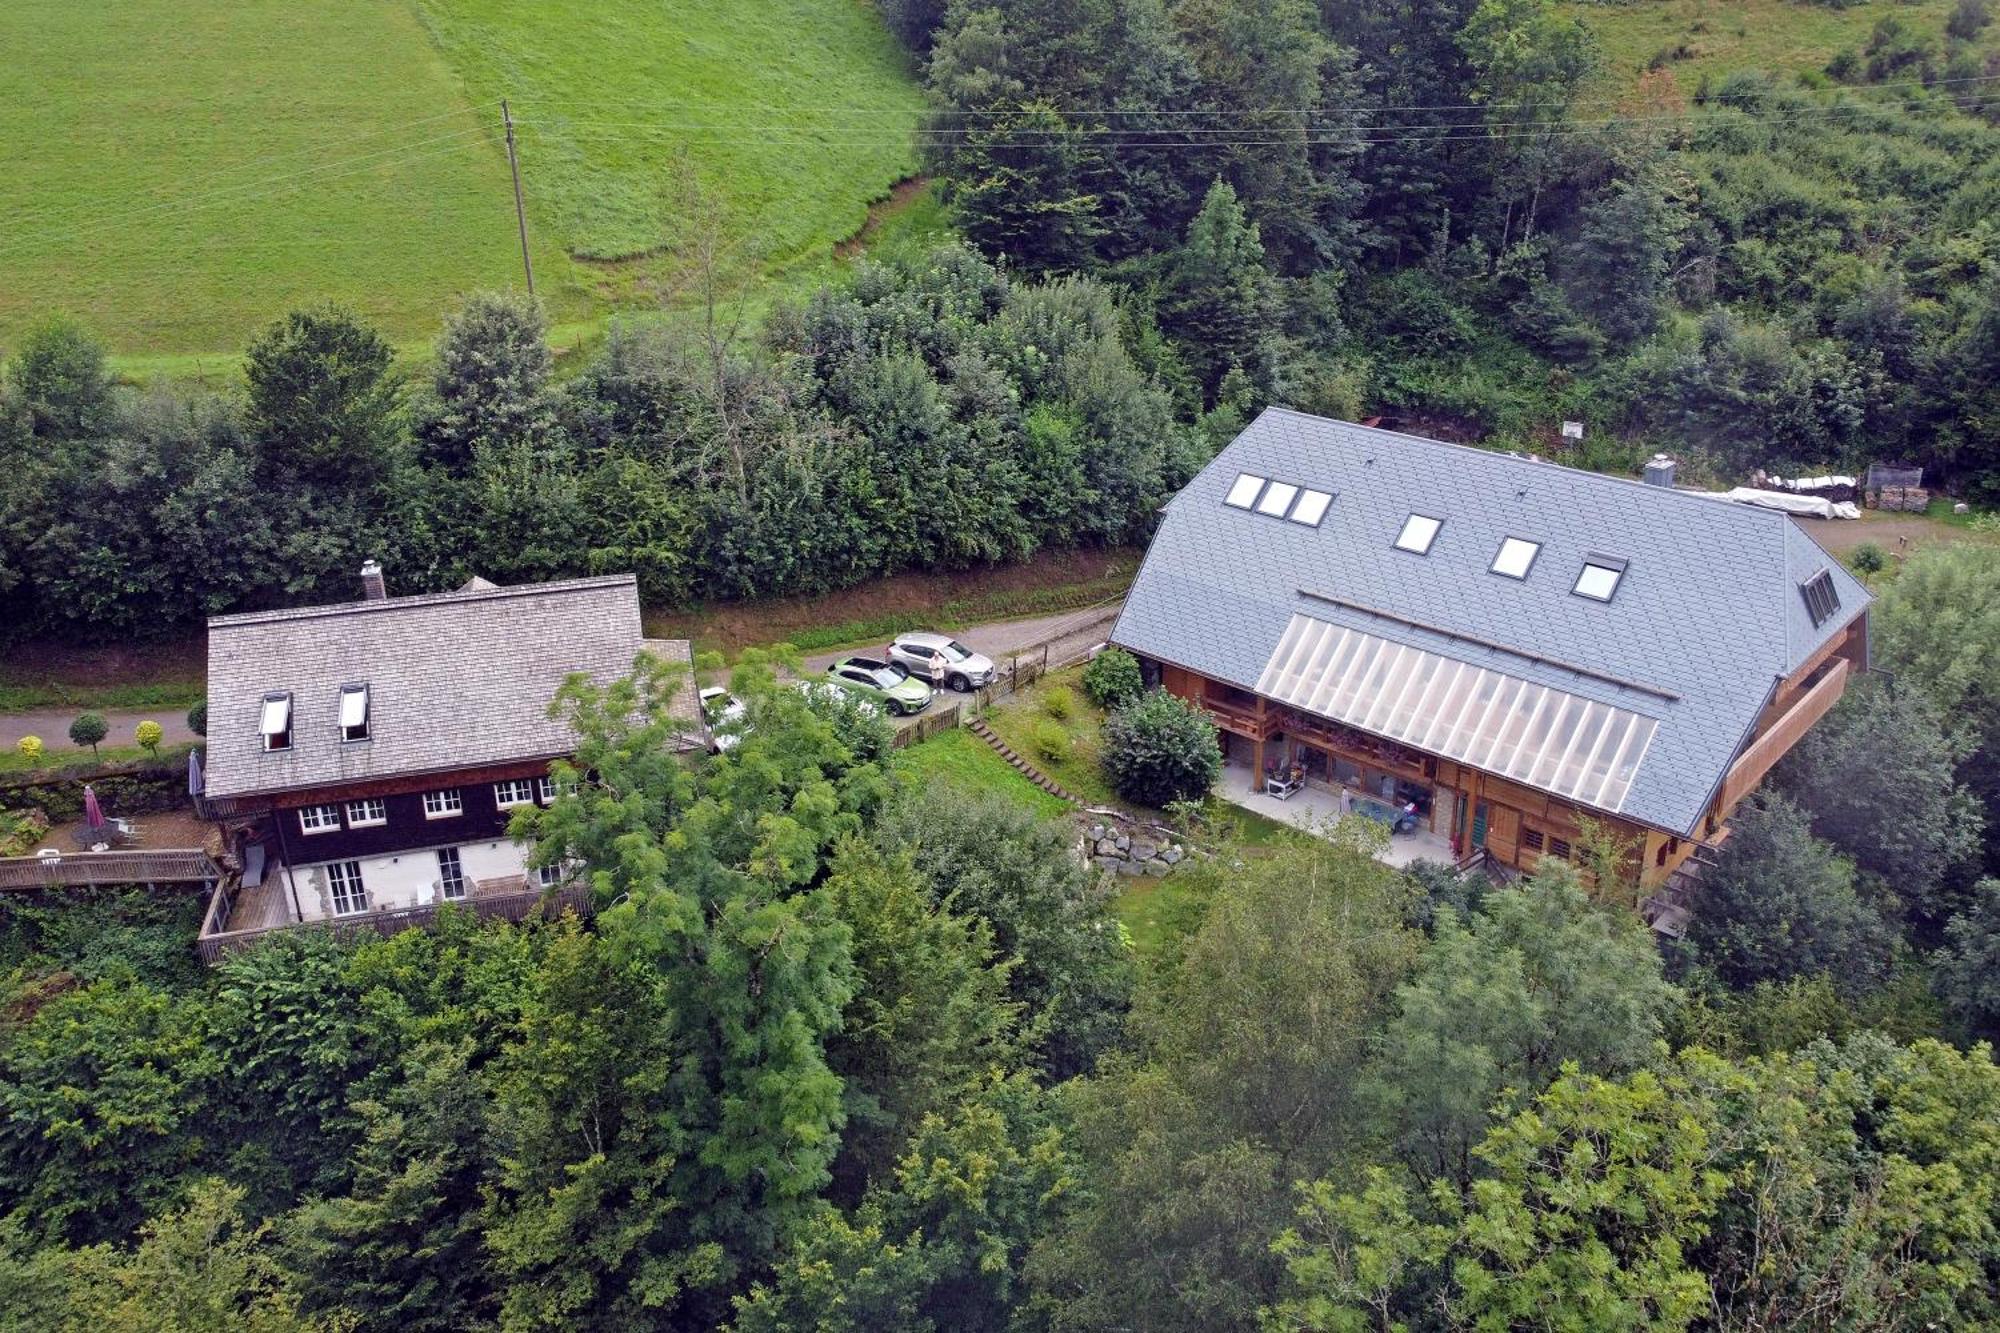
x=885, y=682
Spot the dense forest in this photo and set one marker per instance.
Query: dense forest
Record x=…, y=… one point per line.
x=844, y=1052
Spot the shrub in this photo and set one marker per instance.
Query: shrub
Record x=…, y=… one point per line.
x=1113, y=678
x=1868, y=558
x=1059, y=702
x=31, y=748
x=198, y=718
x=1158, y=749
x=149, y=735
x=88, y=729
x=1049, y=741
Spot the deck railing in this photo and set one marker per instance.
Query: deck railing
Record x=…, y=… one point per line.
x=166, y=866
x=503, y=906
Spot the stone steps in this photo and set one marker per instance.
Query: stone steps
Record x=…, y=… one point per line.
x=1020, y=765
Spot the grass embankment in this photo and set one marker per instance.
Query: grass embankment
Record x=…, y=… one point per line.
x=1721, y=37
x=81, y=764
x=960, y=758
x=180, y=174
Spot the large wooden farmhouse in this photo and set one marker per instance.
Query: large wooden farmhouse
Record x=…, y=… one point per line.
x=1508, y=645
x=365, y=758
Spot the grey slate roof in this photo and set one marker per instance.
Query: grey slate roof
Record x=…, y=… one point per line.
x=1708, y=609
x=456, y=680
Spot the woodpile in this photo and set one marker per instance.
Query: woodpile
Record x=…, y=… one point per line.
x=1900, y=499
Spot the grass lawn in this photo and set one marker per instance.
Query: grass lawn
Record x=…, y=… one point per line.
x=957, y=756
x=178, y=174
x=1023, y=718
x=1720, y=37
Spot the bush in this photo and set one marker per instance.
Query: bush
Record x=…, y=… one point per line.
x=198, y=718
x=1049, y=741
x=149, y=734
x=88, y=729
x=1059, y=702
x=1158, y=749
x=31, y=749
x=1112, y=678
x=1868, y=558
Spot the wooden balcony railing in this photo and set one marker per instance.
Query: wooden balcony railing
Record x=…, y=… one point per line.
x=1249, y=720
x=165, y=866
x=520, y=906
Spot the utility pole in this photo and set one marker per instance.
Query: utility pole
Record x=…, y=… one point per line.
x=520, y=213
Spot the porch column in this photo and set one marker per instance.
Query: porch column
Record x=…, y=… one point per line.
x=1256, y=765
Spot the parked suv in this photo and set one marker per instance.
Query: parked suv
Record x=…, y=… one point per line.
x=896, y=689
x=942, y=660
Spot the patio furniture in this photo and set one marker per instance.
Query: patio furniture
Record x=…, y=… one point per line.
x=1284, y=786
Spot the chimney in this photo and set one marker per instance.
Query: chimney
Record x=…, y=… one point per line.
x=1660, y=471
x=372, y=587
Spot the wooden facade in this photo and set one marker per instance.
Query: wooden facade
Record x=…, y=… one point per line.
x=1516, y=825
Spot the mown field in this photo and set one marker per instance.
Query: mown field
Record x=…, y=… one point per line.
x=1718, y=37
x=178, y=174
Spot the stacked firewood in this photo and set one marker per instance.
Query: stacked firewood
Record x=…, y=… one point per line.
x=1900, y=499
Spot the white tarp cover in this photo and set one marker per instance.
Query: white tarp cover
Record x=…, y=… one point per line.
x=1811, y=505
x=1585, y=751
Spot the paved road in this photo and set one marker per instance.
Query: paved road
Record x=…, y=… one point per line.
x=52, y=725
x=1068, y=634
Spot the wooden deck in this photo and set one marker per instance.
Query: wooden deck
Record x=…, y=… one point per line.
x=222, y=934
x=163, y=866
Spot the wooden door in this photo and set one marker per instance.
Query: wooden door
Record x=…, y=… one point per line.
x=1503, y=833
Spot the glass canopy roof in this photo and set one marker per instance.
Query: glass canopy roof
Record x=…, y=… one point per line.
x=1581, y=750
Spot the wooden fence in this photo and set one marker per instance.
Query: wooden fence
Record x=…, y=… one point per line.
x=1019, y=671
x=166, y=866
x=500, y=906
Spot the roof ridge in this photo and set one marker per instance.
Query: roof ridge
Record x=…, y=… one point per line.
x=411, y=601
x=1500, y=457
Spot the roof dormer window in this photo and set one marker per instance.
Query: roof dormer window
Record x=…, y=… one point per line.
x=1599, y=577
x=354, y=712
x=1822, y=599
x=1516, y=557
x=275, y=725
x=1419, y=531
x=1244, y=492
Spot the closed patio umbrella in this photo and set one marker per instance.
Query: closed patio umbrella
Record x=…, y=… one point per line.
x=93, y=813
x=194, y=774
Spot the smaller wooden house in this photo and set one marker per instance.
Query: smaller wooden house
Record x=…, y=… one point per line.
x=1510, y=646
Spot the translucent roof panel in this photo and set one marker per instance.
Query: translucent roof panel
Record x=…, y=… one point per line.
x=1419, y=531
x=1598, y=580
x=1244, y=493
x=1311, y=507
x=1277, y=499
x=1578, y=748
x=1515, y=556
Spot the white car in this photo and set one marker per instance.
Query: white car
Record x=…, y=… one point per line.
x=723, y=712
x=942, y=660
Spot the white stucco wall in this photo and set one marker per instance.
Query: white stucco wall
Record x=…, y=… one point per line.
x=407, y=879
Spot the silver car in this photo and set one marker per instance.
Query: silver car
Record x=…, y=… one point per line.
x=942, y=660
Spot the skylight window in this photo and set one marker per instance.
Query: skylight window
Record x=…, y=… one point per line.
x=354, y=712
x=1244, y=493
x=1277, y=499
x=1822, y=600
x=1419, y=531
x=1517, y=555
x=1311, y=507
x=276, y=723
x=1599, y=578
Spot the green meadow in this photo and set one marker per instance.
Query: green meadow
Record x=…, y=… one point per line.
x=179, y=174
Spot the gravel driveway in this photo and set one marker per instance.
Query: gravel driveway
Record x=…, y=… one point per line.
x=1069, y=634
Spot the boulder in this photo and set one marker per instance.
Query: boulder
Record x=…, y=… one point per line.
x=1144, y=851
x=1155, y=868
x=1134, y=867
x=1173, y=856
x=1097, y=832
x=1124, y=842
x=1106, y=847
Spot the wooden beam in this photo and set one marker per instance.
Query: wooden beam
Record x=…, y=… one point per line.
x=1763, y=753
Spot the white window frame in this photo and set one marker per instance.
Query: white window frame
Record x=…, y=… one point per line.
x=276, y=738
x=368, y=812
x=547, y=877
x=1512, y=547
x=545, y=790
x=452, y=874
x=1277, y=498
x=1311, y=507
x=444, y=804
x=354, y=732
x=1606, y=566
x=320, y=815
x=1243, y=492
x=510, y=792
x=1415, y=537
x=344, y=882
